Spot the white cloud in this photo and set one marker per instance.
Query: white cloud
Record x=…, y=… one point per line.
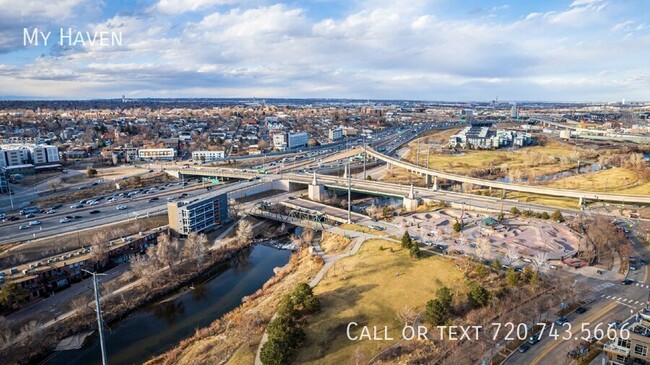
x=182, y=6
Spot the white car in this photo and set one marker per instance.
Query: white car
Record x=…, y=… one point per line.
x=24, y=227
x=110, y=200
x=65, y=220
x=34, y=223
x=170, y=198
x=121, y=207
x=51, y=211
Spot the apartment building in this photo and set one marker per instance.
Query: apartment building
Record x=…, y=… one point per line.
x=197, y=215
x=4, y=187
x=633, y=349
x=208, y=156
x=157, y=154
x=335, y=134
x=55, y=273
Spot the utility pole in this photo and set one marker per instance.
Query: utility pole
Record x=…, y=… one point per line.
x=100, y=321
x=429, y=158
x=349, y=195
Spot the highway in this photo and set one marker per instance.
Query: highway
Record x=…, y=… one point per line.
x=140, y=205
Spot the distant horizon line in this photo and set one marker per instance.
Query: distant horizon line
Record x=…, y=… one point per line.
x=257, y=99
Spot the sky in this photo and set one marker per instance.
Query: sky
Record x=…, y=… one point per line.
x=463, y=50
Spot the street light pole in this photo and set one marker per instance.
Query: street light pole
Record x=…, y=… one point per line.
x=100, y=321
x=349, y=195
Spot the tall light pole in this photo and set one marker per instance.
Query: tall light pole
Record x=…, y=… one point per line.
x=11, y=199
x=349, y=195
x=365, y=156
x=100, y=321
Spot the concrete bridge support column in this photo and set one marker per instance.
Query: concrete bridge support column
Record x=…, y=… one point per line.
x=427, y=180
x=411, y=201
x=316, y=191
x=581, y=203
x=435, y=183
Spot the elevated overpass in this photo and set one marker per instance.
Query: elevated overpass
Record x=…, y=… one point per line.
x=577, y=194
x=178, y=172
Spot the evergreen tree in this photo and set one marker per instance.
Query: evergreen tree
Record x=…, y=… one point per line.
x=477, y=296
x=407, y=242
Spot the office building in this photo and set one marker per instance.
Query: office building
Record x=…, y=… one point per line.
x=335, y=134
x=295, y=140
x=208, y=156
x=514, y=112
x=157, y=154
x=198, y=215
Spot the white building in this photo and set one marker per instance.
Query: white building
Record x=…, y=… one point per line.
x=335, y=134
x=208, y=156
x=514, y=113
x=157, y=153
x=13, y=155
x=3, y=182
x=297, y=139
x=279, y=141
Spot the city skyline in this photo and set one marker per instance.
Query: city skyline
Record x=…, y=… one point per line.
x=563, y=51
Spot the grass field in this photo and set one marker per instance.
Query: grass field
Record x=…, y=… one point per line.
x=530, y=158
x=611, y=181
x=370, y=288
x=543, y=200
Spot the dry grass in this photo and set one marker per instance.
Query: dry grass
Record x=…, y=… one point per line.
x=523, y=158
x=334, y=243
x=370, y=288
x=612, y=181
x=543, y=200
x=363, y=229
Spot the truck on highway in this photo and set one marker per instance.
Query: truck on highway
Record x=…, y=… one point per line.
x=29, y=210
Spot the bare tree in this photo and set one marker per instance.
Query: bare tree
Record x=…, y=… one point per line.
x=195, y=248
x=406, y=315
x=244, y=232
x=540, y=258
x=511, y=255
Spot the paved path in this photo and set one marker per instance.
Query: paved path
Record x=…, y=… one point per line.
x=358, y=238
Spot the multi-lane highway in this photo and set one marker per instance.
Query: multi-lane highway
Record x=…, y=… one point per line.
x=138, y=205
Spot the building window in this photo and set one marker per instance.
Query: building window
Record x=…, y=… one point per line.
x=640, y=350
x=624, y=343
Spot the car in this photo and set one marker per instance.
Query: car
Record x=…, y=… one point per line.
x=633, y=267
x=94, y=184
x=527, y=260
x=94, y=202
x=51, y=211
x=153, y=199
x=69, y=217
x=533, y=340
x=110, y=200
x=581, y=310
x=292, y=198
x=170, y=198
x=121, y=207
x=94, y=212
x=82, y=187
x=627, y=282
x=30, y=215
x=523, y=348
x=76, y=206
x=34, y=223
x=12, y=218
x=64, y=220
x=472, y=245
x=643, y=262
x=562, y=320
x=77, y=217
x=24, y=227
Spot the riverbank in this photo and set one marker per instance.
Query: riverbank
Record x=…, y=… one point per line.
x=35, y=343
x=234, y=338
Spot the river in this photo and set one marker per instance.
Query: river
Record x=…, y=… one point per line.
x=158, y=327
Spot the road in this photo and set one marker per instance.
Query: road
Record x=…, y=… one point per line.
x=140, y=205
x=613, y=301
x=591, y=195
